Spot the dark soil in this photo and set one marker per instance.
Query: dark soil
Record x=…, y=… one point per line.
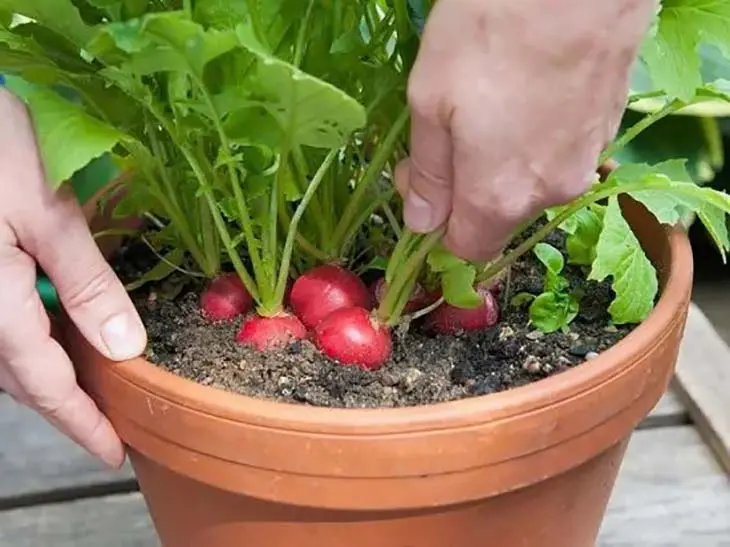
x=423, y=369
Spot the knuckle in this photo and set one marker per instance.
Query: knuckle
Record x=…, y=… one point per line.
x=86, y=289
x=565, y=193
x=426, y=101
x=422, y=176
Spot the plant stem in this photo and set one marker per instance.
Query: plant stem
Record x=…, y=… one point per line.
x=302, y=170
x=172, y=205
x=390, y=215
x=299, y=48
x=371, y=175
x=406, y=278
x=238, y=265
x=296, y=218
x=400, y=250
x=428, y=309
x=601, y=192
x=260, y=273
x=634, y=131
x=361, y=219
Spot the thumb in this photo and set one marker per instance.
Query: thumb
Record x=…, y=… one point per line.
x=428, y=191
x=89, y=290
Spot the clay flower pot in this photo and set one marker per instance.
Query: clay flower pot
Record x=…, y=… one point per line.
x=529, y=467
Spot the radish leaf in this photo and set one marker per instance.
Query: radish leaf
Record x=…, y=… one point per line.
x=619, y=255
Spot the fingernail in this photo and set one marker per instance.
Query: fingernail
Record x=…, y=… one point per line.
x=418, y=213
x=123, y=336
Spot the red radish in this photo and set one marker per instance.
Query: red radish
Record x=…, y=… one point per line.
x=419, y=298
x=448, y=319
x=225, y=298
x=266, y=333
x=352, y=337
x=324, y=289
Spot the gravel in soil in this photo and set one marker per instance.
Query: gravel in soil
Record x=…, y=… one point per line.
x=422, y=370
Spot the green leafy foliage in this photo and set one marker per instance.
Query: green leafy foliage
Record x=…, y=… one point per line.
x=668, y=193
x=672, y=53
x=60, y=16
x=265, y=133
x=68, y=137
x=458, y=278
x=619, y=254
x=556, y=307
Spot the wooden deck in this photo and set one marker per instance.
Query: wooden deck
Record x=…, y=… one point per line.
x=672, y=490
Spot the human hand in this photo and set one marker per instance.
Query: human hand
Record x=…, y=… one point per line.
x=39, y=225
x=512, y=103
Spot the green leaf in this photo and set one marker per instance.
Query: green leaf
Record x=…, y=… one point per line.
x=697, y=140
x=68, y=137
x=673, y=195
x=441, y=260
x=60, y=16
x=581, y=243
x=715, y=222
x=550, y=257
x=715, y=67
x=168, y=264
x=672, y=55
x=554, y=262
x=552, y=311
x=458, y=287
x=165, y=42
x=619, y=255
x=307, y=111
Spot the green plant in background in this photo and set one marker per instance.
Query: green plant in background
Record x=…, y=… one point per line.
x=694, y=132
x=261, y=137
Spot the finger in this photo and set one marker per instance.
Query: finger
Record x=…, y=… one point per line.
x=493, y=192
x=428, y=197
x=37, y=371
x=51, y=227
x=402, y=177
x=89, y=290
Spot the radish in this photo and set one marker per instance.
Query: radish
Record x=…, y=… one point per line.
x=265, y=333
x=352, y=336
x=225, y=298
x=419, y=298
x=448, y=319
x=325, y=289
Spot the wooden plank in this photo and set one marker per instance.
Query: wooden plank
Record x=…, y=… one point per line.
x=114, y=521
x=702, y=381
x=37, y=462
x=670, y=492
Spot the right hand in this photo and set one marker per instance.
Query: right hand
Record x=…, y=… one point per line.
x=512, y=103
x=47, y=228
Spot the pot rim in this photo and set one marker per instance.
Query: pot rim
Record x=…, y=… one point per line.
x=543, y=393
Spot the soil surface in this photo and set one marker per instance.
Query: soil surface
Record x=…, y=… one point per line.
x=423, y=369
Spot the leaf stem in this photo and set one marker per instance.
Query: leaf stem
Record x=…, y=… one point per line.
x=372, y=173
x=260, y=273
x=299, y=48
x=600, y=192
x=294, y=225
x=220, y=224
x=391, y=307
x=634, y=131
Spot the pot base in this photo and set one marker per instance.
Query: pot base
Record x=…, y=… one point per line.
x=565, y=510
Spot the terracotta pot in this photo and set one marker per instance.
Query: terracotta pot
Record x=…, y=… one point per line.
x=530, y=467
